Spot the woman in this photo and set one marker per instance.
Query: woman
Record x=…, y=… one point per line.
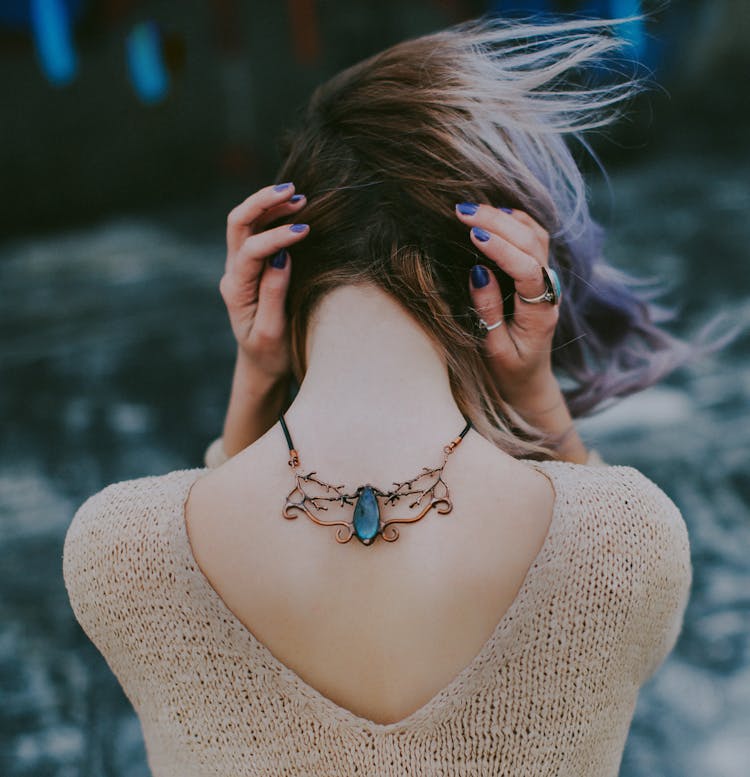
x=415, y=567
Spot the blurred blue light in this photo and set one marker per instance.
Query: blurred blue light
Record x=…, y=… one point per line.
x=50, y=25
x=15, y=13
x=633, y=32
x=148, y=74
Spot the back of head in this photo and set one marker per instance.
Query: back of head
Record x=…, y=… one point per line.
x=477, y=112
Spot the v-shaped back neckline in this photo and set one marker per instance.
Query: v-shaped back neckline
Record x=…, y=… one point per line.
x=322, y=706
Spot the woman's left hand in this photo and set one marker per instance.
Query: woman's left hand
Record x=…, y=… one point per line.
x=520, y=349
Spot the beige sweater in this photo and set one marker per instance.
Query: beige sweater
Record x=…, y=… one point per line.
x=551, y=692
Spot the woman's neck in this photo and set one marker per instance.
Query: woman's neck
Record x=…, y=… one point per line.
x=376, y=388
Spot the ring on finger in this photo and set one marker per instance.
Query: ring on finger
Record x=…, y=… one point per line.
x=552, y=292
x=484, y=327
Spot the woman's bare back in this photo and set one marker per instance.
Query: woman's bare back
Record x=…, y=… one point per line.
x=378, y=630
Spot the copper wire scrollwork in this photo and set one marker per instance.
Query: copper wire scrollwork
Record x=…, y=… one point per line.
x=367, y=522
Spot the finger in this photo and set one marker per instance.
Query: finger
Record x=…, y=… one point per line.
x=293, y=205
x=527, y=276
x=270, y=317
x=516, y=229
x=247, y=262
x=523, y=269
x=486, y=298
x=529, y=221
x=241, y=218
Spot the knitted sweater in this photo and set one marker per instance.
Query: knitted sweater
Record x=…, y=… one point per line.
x=551, y=692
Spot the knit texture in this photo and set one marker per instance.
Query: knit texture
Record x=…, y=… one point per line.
x=551, y=692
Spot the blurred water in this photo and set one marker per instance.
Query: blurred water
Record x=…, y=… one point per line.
x=116, y=360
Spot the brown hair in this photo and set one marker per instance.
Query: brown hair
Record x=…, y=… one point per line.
x=386, y=149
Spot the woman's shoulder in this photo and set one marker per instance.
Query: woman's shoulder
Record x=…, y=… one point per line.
x=126, y=495
x=636, y=496
x=120, y=515
x=621, y=509
x=618, y=486
x=118, y=567
x=628, y=542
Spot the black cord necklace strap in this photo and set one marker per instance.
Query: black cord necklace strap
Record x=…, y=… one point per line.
x=453, y=443
x=294, y=457
x=367, y=522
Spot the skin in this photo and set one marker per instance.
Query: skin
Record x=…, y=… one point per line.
x=374, y=380
x=518, y=352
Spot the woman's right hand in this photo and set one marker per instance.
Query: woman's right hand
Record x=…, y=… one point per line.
x=254, y=290
x=520, y=349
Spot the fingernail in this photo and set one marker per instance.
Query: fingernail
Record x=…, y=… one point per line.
x=281, y=186
x=467, y=208
x=279, y=259
x=296, y=198
x=298, y=227
x=505, y=210
x=479, y=276
x=480, y=234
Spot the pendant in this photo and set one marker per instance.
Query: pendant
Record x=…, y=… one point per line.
x=367, y=520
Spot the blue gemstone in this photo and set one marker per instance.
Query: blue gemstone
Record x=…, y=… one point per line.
x=366, y=514
x=552, y=275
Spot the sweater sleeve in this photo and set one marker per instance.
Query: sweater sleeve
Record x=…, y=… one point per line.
x=100, y=586
x=215, y=454
x=116, y=572
x=664, y=576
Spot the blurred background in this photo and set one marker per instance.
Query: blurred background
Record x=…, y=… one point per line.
x=129, y=129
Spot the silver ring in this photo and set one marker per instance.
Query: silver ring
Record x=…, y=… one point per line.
x=485, y=327
x=553, y=292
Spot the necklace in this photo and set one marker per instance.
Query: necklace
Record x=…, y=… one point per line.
x=367, y=522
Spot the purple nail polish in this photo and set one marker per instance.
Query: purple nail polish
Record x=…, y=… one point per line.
x=279, y=259
x=505, y=210
x=467, y=208
x=281, y=186
x=298, y=227
x=480, y=234
x=479, y=276
x=296, y=197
